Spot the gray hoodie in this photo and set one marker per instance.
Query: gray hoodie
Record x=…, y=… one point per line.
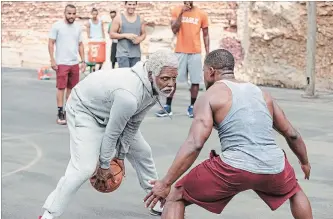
x=119, y=100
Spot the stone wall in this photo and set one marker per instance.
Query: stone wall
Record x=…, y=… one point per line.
x=274, y=41
x=268, y=39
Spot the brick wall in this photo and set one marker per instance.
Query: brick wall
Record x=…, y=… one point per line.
x=25, y=25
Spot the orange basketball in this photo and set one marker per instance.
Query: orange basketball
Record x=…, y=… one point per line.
x=118, y=175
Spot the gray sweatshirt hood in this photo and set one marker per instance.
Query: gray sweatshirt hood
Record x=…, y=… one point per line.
x=140, y=70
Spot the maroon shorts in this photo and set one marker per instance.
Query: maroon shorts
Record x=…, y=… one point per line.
x=213, y=183
x=68, y=76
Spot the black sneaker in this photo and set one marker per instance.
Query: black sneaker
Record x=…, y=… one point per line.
x=61, y=120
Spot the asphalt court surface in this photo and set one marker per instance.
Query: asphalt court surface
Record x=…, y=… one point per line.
x=35, y=153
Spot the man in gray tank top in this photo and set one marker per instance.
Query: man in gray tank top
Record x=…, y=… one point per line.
x=245, y=117
x=129, y=30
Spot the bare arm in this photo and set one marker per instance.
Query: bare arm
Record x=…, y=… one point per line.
x=282, y=125
x=103, y=30
x=175, y=24
x=200, y=131
x=176, y=21
x=205, y=31
x=205, y=34
x=81, y=51
x=88, y=29
x=52, y=39
x=51, y=49
x=114, y=32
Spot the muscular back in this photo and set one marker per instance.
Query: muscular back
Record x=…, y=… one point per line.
x=243, y=117
x=220, y=98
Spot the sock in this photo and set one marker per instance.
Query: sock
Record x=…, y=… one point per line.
x=60, y=108
x=193, y=101
x=47, y=215
x=169, y=101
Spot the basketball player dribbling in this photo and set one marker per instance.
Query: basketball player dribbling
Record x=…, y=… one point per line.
x=104, y=115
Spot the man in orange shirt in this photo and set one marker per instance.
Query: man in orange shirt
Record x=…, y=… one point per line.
x=187, y=21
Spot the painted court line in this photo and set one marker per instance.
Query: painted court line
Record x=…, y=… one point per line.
x=30, y=164
x=37, y=147
x=13, y=137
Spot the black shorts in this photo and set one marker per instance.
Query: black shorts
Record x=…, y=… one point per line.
x=113, y=52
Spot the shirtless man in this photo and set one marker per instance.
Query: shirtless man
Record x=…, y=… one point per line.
x=245, y=117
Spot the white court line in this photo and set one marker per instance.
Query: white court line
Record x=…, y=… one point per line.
x=37, y=148
x=33, y=162
x=13, y=137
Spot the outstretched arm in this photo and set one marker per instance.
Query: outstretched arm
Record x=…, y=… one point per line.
x=295, y=141
x=200, y=131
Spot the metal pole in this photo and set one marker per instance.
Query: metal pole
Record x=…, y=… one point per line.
x=311, y=49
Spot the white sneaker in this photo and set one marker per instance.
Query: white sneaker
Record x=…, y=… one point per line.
x=157, y=210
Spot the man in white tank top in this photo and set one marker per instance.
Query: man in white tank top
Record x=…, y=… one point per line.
x=244, y=117
x=95, y=31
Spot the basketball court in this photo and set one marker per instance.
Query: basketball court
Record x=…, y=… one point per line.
x=35, y=153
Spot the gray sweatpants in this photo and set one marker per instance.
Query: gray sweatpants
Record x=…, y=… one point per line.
x=85, y=143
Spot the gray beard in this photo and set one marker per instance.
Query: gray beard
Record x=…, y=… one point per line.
x=159, y=91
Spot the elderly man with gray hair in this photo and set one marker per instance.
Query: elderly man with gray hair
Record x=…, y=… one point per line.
x=104, y=113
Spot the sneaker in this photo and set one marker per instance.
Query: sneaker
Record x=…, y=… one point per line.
x=157, y=210
x=190, y=111
x=61, y=120
x=165, y=112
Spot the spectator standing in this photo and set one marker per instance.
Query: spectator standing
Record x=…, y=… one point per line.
x=129, y=29
x=95, y=31
x=114, y=41
x=186, y=23
x=66, y=36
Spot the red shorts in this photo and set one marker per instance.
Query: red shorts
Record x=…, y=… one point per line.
x=68, y=76
x=213, y=183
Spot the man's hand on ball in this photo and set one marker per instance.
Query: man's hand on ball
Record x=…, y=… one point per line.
x=102, y=177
